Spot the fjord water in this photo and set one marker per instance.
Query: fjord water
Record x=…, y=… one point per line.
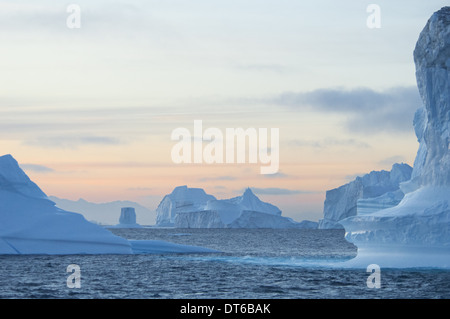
x=253, y=263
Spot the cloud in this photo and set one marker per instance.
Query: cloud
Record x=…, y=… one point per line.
x=273, y=68
x=352, y=177
x=276, y=175
x=392, y=160
x=330, y=142
x=139, y=189
x=36, y=168
x=277, y=191
x=367, y=110
x=72, y=142
x=217, y=178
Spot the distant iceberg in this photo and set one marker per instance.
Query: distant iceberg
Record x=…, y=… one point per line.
x=105, y=213
x=193, y=208
x=371, y=192
x=127, y=219
x=416, y=232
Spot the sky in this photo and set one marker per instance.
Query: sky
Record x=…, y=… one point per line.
x=88, y=112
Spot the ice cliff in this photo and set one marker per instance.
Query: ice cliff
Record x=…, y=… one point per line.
x=416, y=232
x=245, y=211
x=373, y=191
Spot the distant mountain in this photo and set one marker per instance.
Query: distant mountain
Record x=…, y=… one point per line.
x=105, y=213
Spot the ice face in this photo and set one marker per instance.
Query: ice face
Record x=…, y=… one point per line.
x=432, y=59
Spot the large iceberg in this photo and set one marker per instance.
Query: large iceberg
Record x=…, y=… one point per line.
x=193, y=208
x=416, y=232
x=31, y=224
x=373, y=191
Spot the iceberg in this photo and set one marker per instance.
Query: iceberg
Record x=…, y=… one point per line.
x=182, y=199
x=127, y=218
x=205, y=211
x=30, y=223
x=416, y=232
x=373, y=191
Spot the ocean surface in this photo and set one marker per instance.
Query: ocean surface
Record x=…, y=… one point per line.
x=252, y=263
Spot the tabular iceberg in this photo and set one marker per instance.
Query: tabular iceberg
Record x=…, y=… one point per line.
x=193, y=208
x=416, y=232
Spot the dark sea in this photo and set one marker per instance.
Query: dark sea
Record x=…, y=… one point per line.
x=252, y=264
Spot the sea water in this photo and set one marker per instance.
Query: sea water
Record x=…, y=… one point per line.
x=252, y=263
